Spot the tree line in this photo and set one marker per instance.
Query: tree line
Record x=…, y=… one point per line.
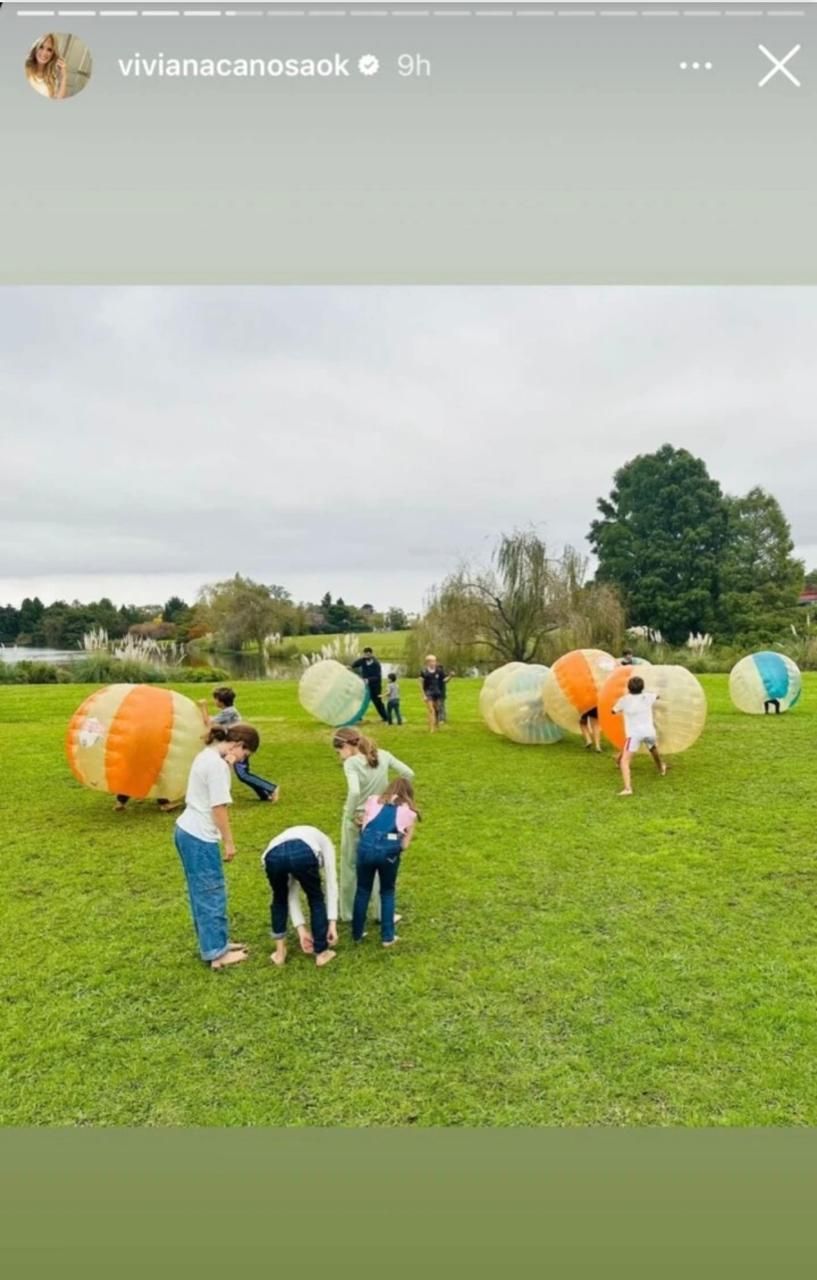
x=237, y=611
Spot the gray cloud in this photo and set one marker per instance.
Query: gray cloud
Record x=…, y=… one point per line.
x=372, y=437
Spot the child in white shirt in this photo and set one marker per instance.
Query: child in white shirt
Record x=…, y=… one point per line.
x=636, y=707
x=292, y=861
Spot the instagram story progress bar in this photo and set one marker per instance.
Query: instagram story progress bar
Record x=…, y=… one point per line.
x=411, y=142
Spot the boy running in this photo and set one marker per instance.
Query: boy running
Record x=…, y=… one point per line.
x=636, y=707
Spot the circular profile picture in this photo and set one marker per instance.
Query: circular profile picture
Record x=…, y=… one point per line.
x=58, y=65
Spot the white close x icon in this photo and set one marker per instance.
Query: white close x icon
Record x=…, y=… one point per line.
x=779, y=64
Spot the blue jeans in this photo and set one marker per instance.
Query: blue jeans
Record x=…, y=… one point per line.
x=393, y=709
x=386, y=866
x=295, y=858
x=208, y=895
x=260, y=786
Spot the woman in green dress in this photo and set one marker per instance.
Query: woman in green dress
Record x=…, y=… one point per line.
x=366, y=767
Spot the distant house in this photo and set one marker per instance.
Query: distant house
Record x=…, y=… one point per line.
x=809, y=596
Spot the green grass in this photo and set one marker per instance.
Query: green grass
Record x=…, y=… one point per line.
x=568, y=957
x=388, y=645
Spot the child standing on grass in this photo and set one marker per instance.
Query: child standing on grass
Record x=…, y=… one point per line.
x=393, y=699
x=388, y=826
x=636, y=707
x=591, y=729
x=294, y=860
x=226, y=715
x=199, y=831
x=366, y=768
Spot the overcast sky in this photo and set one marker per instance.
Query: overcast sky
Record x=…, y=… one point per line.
x=364, y=441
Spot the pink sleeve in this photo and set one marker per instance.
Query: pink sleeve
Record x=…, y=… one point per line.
x=406, y=818
x=371, y=808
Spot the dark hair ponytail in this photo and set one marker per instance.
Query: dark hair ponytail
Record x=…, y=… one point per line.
x=243, y=733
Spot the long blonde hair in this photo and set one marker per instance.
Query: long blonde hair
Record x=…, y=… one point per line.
x=348, y=737
x=46, y=75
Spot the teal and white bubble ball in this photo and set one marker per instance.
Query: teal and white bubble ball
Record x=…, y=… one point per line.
x=332, y=693
x=763, y=679
x=519, y=710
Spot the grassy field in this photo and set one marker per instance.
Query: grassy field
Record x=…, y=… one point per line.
x=388, y=645
x=568, y=957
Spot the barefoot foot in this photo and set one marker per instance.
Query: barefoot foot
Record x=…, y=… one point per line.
x=324, y=958
x=626, y=792
x=279, y=956
x=229, y=957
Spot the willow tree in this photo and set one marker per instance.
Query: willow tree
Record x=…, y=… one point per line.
x=524, y=607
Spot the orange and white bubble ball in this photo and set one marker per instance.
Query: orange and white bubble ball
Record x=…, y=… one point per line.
x=573, y=686
x=679, y=714
x=135, y=740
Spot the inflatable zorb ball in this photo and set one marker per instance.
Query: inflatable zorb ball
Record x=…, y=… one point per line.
x=764, y=678
x=332, y=693
x=519, y=711
x=135, y=740
x=679, y=714
x=491, y=690
x=573, y=686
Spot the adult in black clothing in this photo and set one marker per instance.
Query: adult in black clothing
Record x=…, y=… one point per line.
x=369, y=668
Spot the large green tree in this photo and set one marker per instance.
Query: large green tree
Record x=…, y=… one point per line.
x=239, y=611
x=659, y=541
x=760, y=578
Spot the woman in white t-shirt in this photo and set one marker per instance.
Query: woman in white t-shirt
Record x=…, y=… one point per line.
x=201, y=828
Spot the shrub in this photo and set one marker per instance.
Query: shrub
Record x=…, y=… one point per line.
x=277, y=650
x=102, y=668
x=200, y=675
x=27, y=672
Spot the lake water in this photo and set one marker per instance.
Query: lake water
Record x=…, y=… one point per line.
x=239, y=666
x=8, y=653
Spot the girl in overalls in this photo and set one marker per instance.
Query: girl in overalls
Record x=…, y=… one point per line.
x=388, y=826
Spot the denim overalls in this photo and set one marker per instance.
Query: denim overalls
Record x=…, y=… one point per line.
x=378, y=851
